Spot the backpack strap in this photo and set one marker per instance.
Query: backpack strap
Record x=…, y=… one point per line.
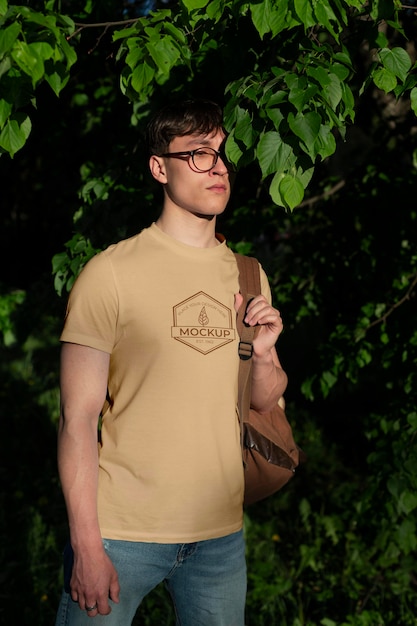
x=250, y=286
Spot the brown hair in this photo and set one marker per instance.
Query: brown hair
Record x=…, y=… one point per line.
x=183, y=118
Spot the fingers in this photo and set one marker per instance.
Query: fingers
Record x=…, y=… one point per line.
x=96, y=608
x=114, y=591
x=91, y=610
x=102, y=606
x=99, y=607
x=260, y=312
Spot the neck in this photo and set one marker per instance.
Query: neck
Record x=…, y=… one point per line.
x=192, y=230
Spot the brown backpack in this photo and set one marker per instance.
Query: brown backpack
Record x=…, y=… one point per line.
x=270, y=454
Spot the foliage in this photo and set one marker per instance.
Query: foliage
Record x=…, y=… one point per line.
x=287, y=98
x=319, y=101
x=31, y=529
x=8, y=305
x=344, y=531
x=33, y=48
x=66, y=266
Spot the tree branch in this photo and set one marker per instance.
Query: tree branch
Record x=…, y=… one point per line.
x=401, y=301
x=323, y=196
x=105, y=25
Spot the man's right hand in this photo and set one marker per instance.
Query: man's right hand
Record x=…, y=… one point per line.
x=94, y=580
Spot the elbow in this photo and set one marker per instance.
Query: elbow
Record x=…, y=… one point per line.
x=264, y=401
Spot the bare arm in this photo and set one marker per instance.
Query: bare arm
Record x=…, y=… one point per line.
x=269, y=380
x=84, y=373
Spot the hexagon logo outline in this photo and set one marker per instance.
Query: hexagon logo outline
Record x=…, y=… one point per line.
x=202, y=323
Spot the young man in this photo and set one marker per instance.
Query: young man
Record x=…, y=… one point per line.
x=151, y=325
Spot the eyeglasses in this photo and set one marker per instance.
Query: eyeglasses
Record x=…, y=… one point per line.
x=204, y=159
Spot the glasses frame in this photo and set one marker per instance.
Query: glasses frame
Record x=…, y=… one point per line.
x=190, y=154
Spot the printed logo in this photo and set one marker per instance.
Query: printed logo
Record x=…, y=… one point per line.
x=202, y=323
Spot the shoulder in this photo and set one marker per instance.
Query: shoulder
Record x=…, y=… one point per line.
x=256, y=275
x=113, y=254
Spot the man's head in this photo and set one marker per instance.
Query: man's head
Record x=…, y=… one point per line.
x=190, y=117
x=186, y=145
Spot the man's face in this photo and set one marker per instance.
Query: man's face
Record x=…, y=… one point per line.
x=203, y=194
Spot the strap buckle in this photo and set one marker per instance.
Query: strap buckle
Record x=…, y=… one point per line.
x=245, y=350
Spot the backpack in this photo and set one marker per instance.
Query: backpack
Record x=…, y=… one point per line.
x=270, y=454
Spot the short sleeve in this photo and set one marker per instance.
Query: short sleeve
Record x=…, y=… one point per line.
x=92, y=307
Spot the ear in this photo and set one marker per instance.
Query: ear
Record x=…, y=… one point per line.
x=157, y=167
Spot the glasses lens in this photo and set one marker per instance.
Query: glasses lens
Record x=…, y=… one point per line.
x=204, y=159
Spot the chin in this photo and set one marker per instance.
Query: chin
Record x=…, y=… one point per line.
x=205, y=216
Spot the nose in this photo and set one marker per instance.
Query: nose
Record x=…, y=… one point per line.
x=221, y=166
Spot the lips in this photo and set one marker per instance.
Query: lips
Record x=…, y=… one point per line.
x=218, y=188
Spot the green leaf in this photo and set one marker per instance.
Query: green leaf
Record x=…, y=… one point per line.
x=307, y=388
x=406, y=536
x=273, y=98
x=30, y=58
x=271, y=17
x=327, y=381
x=384, y=79
x=407, y=502
x=305, y=13
x=274, y=189
x=8, y=36
x=164, y=53
x=291, y=191
x=68, y=51
x=300, y=97
x=260, y=18
x=5, y=65
x=233, y=150
x=348, y=101
x=136, y=54
x=59, y=261
x=300, y=92
x=364, y=357
x=5, y=111
x=307, y=128
x=244, y=130
x=190, y=5
x=214, y=9
x=396, y=61
x=413, y=99
x=332, y=92
x=412, y=420
x=127, y=33
x=325, y=15
x=15, y=133
x=325, y=143
x=341, y=71
x=275, y=115
x=142, y=76
x=175, y=32
x=56, y=77
x=290, y=194
x=320, y=75
x=273, y=154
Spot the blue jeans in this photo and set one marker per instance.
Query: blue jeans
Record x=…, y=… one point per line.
x=206, y=580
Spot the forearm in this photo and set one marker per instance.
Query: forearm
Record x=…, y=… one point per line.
x=269, y=381
x=78, y=471
x=84, y=374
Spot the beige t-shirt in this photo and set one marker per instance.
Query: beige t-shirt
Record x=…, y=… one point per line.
x=170, y=464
